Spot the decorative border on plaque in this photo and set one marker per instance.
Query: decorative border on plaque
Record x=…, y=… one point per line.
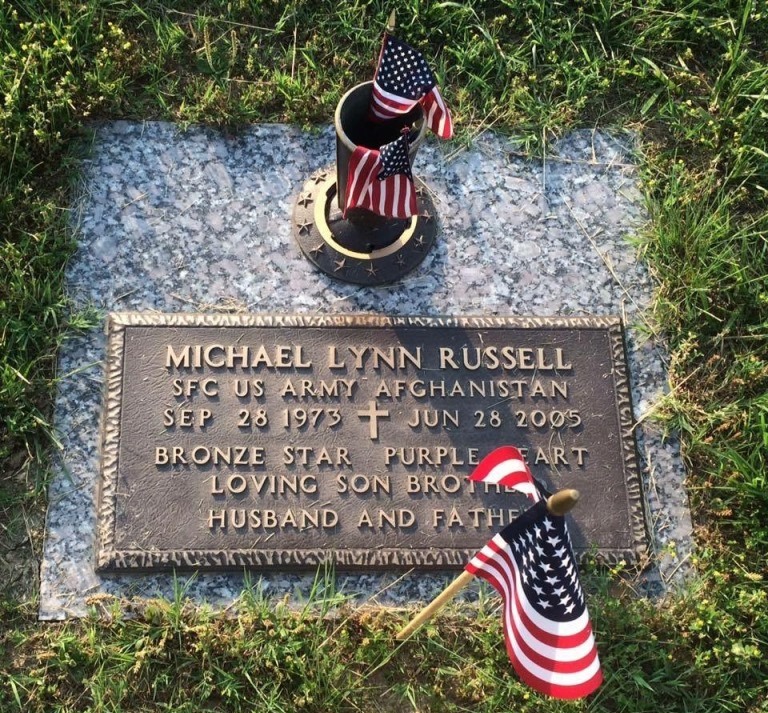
x=193, y=319
x=109, y=559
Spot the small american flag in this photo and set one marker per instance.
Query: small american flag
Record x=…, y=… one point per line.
x=403, y=79
x=545, y=620
x=381, y=180
x=505, y=466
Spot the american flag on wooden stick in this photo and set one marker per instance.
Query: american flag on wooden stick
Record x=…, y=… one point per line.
x=403, y=79
x=381, y=180
x=545, y=620
x=505, y=466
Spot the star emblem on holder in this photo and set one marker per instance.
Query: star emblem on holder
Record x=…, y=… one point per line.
x=322, y=236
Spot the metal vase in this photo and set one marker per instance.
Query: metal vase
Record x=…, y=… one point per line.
x=354, y=128
x=362, y=247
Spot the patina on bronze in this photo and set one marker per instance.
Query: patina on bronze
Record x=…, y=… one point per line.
x=362, y=247
x=287, y=441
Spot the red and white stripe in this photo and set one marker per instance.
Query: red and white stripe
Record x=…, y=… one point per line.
x=505, y=466
x=386, y=106
x=437, y=115
x=555, y=658
x=393, y=197
x=363, y=168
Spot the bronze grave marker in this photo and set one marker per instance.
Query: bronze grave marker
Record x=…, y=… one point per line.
x=231, y=441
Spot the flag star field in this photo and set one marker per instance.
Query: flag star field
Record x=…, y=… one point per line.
x=394, y=160
x=404, y=71
x=545, y=620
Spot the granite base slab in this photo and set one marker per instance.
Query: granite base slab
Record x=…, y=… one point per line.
x=197, y=221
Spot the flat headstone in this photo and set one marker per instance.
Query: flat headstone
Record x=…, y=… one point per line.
x=276, y=441
x=179, y=222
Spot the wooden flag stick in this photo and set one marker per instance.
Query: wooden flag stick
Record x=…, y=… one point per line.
x=391, y=22
x=435, y=605
x=563, y=501
x=388, y=30
x=558, y=504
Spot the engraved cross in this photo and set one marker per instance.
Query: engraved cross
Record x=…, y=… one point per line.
x=373, y=414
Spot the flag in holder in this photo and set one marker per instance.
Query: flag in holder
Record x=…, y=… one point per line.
x=403, y=79
x=381, y=180
x=546, y=625
x=379, y=176
x=364, y=221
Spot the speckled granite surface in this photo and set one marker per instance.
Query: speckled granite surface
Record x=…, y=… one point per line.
x=197, y=221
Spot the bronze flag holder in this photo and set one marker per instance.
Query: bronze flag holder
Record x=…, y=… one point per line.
x=363, y=248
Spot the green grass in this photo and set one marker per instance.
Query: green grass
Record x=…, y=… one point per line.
x=691, y=78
